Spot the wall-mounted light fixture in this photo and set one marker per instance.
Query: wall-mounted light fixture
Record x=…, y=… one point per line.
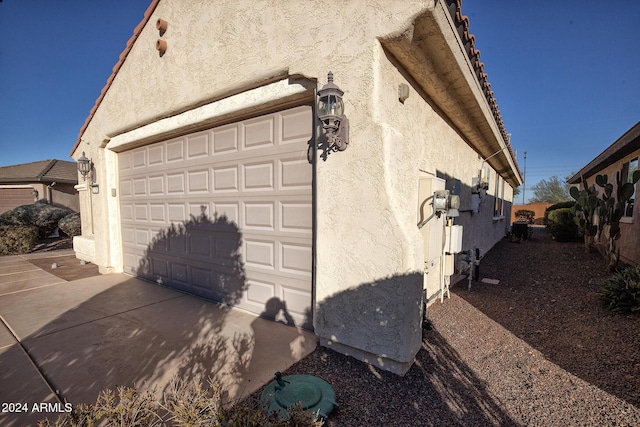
x=331, y=114
x=85, y=166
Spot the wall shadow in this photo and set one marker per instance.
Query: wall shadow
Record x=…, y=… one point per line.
x=548, y=296
x=110, y=330
x=439, y=389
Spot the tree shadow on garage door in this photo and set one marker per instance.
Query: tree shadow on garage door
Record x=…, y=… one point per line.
x=200, y=256
x=114, y=330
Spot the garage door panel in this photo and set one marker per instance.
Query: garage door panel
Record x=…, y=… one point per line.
x=177, y=245
x=126, y=211
x=295, y=298
x=198, y=181
x=259, y=253
x=175, y=184
x=258, y=177
x=141, y=212
x=258, y=292
x=139, y=159
x=198, y=145
x=258, y=216
x=294, y=126
x=225, y=179
x=175, y=151
x=156, y=155
x=224, y=213
x=126, y=188
x=156, y=185
x=177, y=212
x=225, y=139
x=295, y=217
x=157, y=213
x=258, y=133
x=295, y=258
x=230, y=210
x=295, y=174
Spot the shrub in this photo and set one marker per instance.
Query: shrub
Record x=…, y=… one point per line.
x=621, y=293
x=560, y=205
x=43, y=216
x=184, y=404
x=70, y=225
x=525, y=215
x=561, y=225
x=17, y=239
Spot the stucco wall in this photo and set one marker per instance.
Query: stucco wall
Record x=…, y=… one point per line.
x=539, y=209
x=367, y=242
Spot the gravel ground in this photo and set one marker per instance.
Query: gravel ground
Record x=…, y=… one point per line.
x=536, y=349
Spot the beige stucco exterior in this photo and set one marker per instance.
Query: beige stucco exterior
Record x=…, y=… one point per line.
x=231, y=60
x=628, y=243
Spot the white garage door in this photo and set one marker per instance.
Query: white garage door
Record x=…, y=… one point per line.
x=225, y=213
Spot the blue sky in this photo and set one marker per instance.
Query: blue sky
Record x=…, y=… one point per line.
x=566, y=74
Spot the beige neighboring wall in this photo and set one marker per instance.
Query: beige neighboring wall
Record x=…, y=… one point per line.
x=629, y=226
x=222, y=56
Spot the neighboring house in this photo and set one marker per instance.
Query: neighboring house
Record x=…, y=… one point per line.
x=46, y=181
x=211, y=172
x=538, y=208
x=620, y=157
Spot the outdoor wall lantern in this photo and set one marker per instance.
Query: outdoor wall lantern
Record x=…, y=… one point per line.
x=84, y=166
x=331, y=114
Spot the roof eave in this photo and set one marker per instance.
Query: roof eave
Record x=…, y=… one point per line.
x=116, y=68
x=623, y=146
x=434, y=54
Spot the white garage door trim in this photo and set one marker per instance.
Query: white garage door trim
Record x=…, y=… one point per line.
x=254, y=172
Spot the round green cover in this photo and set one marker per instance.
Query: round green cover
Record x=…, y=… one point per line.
x=314, y=394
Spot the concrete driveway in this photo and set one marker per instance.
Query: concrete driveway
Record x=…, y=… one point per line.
x=75, y=338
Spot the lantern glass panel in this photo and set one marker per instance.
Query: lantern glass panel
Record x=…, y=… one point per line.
x=330, y=105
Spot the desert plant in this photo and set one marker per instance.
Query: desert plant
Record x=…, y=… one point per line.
x=621, y=292
x=561, y=225
x=183, y=404
x=188, y=403
x=559, y=205
x=17, y=239
x=611, y=210
x=43, y=216
x=70, y=225
x=587, y=205
x=525, y=215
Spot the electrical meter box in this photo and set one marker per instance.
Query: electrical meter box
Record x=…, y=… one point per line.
x=453, y=239
x=433, y=231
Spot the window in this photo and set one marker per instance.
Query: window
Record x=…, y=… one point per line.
x=499, y=196
x=627, y=170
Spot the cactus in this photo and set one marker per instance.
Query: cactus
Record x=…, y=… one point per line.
x=585, y=210
x=594, y=212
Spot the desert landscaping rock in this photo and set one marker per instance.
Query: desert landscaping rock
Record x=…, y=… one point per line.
x=536, y=349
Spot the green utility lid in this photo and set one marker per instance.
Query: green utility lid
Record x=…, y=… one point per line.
x=314, y=394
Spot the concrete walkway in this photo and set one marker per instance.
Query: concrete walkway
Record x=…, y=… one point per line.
x=74, y=339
